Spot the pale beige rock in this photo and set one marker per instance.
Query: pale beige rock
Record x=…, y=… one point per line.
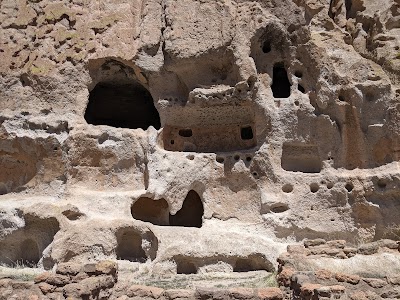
x=194, y=137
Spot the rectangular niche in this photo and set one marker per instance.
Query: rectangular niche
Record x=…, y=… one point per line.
x=219, y=119
x=301, y=157
x=210, y=138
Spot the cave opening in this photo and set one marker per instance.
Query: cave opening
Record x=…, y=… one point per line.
x=246, y=133
x=129, y=246
x=149, y=210
x=30, y=254
x=191, y=213
x=122, y=105
x=280, y=82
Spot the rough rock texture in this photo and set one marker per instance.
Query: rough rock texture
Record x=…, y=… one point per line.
x=196, y=136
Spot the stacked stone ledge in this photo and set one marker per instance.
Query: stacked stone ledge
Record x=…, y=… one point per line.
x=326, y=284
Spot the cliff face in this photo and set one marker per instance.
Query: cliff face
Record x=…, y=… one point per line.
x=189, y=136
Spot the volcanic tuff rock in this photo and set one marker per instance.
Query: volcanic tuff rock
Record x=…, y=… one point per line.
x=198, y=136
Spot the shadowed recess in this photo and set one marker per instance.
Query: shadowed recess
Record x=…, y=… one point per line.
x=191, y=213
x=126, y=106
x=149, y=210
x=129, y=246
x=280, y=82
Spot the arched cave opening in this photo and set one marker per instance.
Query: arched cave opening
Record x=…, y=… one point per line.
x=280, y=82
x=191, y=213
x=129, y=246
x=149, y=210
x=122, y=105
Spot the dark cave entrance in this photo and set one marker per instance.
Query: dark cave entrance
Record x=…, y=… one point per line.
x=30, y=254
x=122, y=105
x=191, y=213
x=149, y=210
x=280, y=82
x=129, y=246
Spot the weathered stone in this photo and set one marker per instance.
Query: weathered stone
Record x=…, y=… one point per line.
x=46, y=288
x=179, y=294
x=106, y=267
x=79, y=277
x=42, y=277
x=285, y=275
x=337, y=244
x=349, y=278
x=368, y=249
x=144, y=291
x=57, y=279
x=308, y=289
x=68, y=268
x=394, y=279
x=375, y=282
x=313, y=243
x=242, y=293
x=270, y=294
x=324, y=274
x=249, y=123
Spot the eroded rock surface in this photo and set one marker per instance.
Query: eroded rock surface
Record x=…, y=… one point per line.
x=194, y=137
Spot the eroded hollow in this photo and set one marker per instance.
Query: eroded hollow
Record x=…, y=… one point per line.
x=26, y=246
x=129, y=245
x=280, y=82
x=301, y=158
x=149, y=210
x=122, y=105
x=279, y=208
x=191, y=213
x=184, y=266
x=254, y=262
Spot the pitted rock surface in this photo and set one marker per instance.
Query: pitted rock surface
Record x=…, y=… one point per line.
x=199, y=138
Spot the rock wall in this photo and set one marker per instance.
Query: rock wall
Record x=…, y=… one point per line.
x=184, y=136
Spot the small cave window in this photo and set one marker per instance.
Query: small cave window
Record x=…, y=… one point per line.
x=246, y=133
x=122, y=105
x=266, y=47
x=185, y=132
x=280, y=82
x=191, y=213
x=129, y=246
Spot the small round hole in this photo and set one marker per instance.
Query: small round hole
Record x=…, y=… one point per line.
x=297, y=103
x=314, y=187
x=382, y=183
x=220, y=159
x=172, y=142
x=236, y=157
x=266, y=47
x=248, y=158
x=298, y=74
x=287, y=188
x=333, y=219
x=255, y=174
x=330, y=185
x=341, y=98
x=349, y=187
x=190, y=157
